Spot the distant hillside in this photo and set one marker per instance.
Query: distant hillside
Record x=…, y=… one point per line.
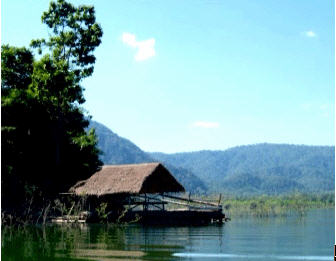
x=253, y=169
x=118, y=150
x=262, y=168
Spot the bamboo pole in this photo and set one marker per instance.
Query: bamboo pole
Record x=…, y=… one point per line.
x=192, y=207
x=210, y=205
x=193, y=200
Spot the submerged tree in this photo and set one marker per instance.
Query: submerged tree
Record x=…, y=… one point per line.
x=44, y=140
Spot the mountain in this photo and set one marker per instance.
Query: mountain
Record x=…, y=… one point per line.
x=262, y=168
x=118, y=150
x=252, y=169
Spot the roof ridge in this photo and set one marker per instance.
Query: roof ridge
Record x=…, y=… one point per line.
x=131, y=165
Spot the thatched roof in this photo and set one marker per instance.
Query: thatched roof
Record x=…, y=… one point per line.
x=131, y=179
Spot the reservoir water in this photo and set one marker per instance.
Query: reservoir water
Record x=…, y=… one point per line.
x=295, y=237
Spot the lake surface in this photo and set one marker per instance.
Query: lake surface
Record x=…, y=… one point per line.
x=291, y=238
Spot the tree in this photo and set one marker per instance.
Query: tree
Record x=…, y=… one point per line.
x=16, y=71
x=74, y=36
x=44, y=138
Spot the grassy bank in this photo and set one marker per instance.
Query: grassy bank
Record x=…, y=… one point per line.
x=266, y=206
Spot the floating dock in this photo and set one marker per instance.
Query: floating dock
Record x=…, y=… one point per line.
x=161, y=210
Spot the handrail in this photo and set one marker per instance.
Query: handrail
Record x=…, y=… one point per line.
x=193, y=200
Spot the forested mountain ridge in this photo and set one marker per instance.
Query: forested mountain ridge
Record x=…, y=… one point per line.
x=251, y=169
x=261, y=168
x=117, y=150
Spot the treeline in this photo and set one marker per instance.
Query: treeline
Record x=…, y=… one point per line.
x=270, y=206
x=45, y=146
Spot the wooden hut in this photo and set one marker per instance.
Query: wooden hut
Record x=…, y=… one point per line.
x=148, y=186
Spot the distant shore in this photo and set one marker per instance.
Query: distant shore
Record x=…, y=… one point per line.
x=282, y=205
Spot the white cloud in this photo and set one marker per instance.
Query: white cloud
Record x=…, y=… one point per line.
x=145, y=48
x=206, y=124
x=129, y=39
x=310, y=34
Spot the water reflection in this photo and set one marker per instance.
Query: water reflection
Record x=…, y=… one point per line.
x=292, y=238
x=248, y=257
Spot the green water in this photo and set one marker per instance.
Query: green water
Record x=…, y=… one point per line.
x=292, y=238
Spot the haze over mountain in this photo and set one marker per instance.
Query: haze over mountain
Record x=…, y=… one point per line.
x=253, y=169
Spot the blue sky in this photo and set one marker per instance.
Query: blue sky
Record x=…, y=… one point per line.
x=187, y=75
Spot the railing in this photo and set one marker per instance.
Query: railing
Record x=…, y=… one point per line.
x=160, y=201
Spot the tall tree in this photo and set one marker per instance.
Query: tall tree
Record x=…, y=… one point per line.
x=74, y=36
x=44, y=138
x=16, y=71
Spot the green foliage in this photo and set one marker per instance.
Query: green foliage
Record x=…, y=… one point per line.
x=101, y=212
x=74, y=36
x=44, y=139
x=269, y=206
x=16, y=74
x=259, y=169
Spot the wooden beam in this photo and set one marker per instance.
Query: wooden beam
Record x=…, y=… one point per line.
x=148, y=203
x=193, y=200
x=190, y=206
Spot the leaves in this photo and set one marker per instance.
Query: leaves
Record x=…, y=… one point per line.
x=74, y=36
x=43, y=126
x=16, y=69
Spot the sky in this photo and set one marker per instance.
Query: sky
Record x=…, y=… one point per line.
x=176, y=76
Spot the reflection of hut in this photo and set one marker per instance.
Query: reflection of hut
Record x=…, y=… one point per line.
x=142, y=190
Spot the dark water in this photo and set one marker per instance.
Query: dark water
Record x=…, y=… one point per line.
x=291, y=238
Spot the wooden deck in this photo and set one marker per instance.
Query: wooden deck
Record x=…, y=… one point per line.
x=149, y=209
x=176, y=217
x=155, y=209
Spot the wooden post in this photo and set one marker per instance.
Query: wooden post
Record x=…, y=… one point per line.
x=163, y=205
x=189, y=201
x=145, y=204
x=219, y=201
x=334, y=252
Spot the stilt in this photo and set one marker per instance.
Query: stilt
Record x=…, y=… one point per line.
x=163, y=204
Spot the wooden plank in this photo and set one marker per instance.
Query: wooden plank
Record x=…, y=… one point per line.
x=148, y=202
x=193, y=200
x=190, y=206
x=189, y=200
